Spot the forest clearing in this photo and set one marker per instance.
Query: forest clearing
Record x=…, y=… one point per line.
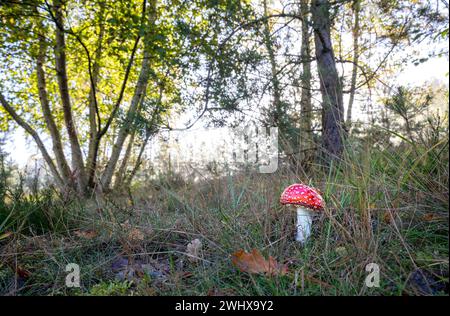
x=224, y=148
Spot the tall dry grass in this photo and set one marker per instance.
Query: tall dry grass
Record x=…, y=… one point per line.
x=387, y=206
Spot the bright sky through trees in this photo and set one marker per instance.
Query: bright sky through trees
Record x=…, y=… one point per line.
x=22, y=151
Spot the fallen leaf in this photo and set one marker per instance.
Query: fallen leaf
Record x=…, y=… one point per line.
x=254, y=262
x=193, y=250
x=87, y=234
x=387, y=218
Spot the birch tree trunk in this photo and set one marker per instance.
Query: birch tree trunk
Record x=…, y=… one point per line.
x=141, y=86
x=61, y=74
x=91, y=163
x=138, y=162
x=355, y=33
x=306, y=141
x=277, y=113
x=61, y=161
x=268, y=42
x=330, y=84
x=120, y=174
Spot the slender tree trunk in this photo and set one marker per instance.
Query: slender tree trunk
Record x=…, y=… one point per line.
x=120, y=174
x=104, y=129
x=61, y=73
x=277, y=111
x=149, y=132
x=330, y=84
x=306, y=140
x=37, y=139
x=138, y=163
x=126, y=127
x=141, y=86
x=91, y=163
x=61, y=161
x=355, y=33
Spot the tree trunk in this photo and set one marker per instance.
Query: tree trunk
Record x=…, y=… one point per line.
x=61, y=73
x=61, y=161
x=128, y=179
x=120, y=174
x=306, y=140
x=141, y=86
x=123, y=166
x=330, y=84
x=101, y=132
x=36, y=138
x=355, y=33
x=91, y=163
x=277, y=112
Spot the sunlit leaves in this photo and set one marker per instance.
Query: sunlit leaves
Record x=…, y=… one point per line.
x=185, y=39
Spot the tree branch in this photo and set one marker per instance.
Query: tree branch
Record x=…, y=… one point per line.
x=36, y=138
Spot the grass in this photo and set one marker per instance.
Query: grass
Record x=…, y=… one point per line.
x=386, y=206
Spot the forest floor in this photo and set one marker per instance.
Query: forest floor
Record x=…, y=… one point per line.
x=138, y=243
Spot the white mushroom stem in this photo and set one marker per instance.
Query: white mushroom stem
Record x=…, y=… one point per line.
x=304, y=222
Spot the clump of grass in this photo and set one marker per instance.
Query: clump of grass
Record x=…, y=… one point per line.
x=34, y=211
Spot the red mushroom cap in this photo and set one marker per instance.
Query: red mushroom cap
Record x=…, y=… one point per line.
x=300, y=194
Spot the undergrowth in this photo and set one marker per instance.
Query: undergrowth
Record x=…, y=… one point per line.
x=387, y=206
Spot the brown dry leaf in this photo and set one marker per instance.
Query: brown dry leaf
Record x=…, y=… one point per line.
x=387, y=218
x=87, y=234
x=254, y=262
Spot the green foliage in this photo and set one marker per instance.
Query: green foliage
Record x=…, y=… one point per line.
x=407, y=103
x=113, y=288
x=183, y=41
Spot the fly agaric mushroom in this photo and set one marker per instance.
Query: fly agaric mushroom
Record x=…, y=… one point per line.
x=307, y=200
